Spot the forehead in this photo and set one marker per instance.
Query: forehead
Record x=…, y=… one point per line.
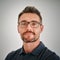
x=29, y=17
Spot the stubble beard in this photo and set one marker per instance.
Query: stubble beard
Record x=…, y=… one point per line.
x=31, y=40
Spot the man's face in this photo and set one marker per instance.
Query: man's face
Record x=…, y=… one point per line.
x=27, y=27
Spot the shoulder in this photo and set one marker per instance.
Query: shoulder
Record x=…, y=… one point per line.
x=50, y=55
x=53, y=57
x=12, y=54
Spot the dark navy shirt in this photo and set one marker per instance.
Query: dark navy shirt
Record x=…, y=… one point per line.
x=39, y=53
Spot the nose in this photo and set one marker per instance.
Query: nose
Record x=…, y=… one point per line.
x=29, y=28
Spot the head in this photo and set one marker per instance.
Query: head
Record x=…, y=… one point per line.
x=30, y=24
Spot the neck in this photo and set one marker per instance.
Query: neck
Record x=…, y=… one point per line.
x=29, y=47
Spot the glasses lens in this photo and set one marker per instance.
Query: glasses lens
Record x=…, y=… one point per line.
x=23, y=24
x=34, y=24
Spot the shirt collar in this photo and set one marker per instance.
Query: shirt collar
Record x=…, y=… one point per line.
x=36, y=51
x=21, y=51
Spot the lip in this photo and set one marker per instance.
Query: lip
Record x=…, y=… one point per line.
x=28, y=33
x=28, y=36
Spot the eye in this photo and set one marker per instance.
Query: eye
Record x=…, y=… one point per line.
x=33, y=23
x=23, y=23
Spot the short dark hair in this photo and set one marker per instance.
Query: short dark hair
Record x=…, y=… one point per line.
x=30, y=9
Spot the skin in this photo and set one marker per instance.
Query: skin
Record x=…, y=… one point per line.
x=29, y=36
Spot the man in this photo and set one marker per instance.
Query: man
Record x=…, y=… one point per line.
x=30, y=27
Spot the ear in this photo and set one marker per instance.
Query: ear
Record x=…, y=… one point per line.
x=41, y=27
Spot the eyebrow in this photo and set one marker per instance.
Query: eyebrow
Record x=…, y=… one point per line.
x=31, y=21
x=23, y=21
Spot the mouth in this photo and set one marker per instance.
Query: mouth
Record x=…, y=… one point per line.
x=28, y=36
x=28, y=33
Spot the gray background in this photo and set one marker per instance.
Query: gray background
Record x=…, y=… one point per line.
x=9, y=37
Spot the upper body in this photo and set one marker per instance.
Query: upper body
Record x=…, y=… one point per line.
x=30, y=27
x=39, y=53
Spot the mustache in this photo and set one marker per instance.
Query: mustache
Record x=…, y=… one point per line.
x=28, y=32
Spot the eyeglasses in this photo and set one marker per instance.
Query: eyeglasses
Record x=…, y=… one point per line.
x=33, y=24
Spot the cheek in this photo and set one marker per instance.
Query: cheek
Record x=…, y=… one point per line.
x=20, y=30
x=37, y=31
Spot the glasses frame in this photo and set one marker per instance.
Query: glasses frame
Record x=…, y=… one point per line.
x=27, y=23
